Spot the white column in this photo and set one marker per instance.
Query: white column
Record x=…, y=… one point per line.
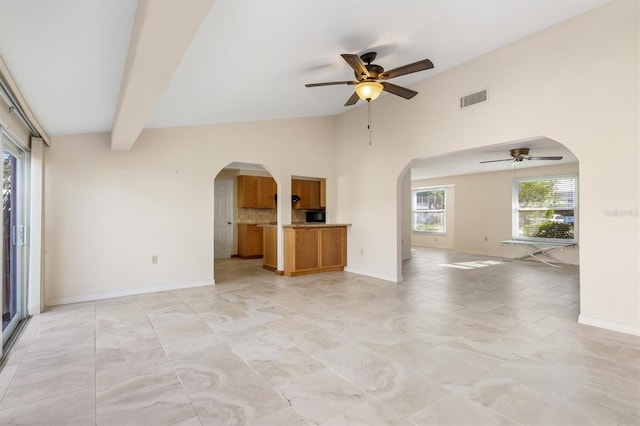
x=36, y=236
x=284, y=214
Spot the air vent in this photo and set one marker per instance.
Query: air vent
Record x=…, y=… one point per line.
x=474, y=98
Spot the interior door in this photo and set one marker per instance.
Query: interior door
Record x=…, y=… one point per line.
x=223, y=218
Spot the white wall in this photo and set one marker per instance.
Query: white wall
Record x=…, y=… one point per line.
x=405, y=221
x=576, y=83
x=109, y=212
x=480, y=205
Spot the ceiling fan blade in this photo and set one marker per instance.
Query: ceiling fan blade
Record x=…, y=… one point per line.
x=353, y=99
x=330, y=83
x=356, y=63
x=422, y=65
x=403, y=92
x=495, y=161
x=544, y=158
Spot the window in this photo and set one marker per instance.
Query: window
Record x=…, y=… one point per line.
x=545, y=208
x=429, y=210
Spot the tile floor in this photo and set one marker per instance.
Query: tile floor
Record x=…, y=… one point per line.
x=465, y=340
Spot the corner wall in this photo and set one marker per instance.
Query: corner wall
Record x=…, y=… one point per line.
x=547, y=84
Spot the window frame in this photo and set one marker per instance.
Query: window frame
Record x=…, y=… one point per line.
x=515, y=208
x=414, y=209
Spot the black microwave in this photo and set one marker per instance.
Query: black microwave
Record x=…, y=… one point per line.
x=316, y=216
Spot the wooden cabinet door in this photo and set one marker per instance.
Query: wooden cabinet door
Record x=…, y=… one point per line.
x=254, y=246
x=248, y=189
x=296, y=189
x=323, y=193
x=313, y=194
x=304, y=195
x=270, y=248
x=256, y=192
x=309, y=192
x=249, y=240
x=267, y=192
x=301, y=250
x=333, y=247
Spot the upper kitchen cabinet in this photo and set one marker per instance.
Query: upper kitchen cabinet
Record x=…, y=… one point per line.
x=256, y=192
x=311, y=193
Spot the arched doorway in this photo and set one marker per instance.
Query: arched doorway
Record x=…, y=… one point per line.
x=476, y=210
x=244, y=199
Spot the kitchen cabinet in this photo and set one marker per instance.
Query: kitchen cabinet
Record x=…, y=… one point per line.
x=309, y=193
x=312, y=249
x=323, y=193
x=256, y=192
x=249, y=241
x=270, y=248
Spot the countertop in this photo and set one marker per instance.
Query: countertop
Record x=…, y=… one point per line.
x=305, y=225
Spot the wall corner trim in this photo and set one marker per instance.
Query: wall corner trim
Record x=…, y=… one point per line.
x=121, y=293
x=380, y=277
x=609, y=325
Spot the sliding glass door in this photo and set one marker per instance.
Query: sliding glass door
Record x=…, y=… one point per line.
x=14, y=263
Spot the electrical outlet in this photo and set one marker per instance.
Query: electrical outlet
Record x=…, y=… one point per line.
x=361, y=252
x=435, y=239
x=486, y=238
x=154, y=259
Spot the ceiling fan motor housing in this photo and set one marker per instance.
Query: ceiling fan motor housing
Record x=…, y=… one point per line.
x=519, y=153
x=374, y=72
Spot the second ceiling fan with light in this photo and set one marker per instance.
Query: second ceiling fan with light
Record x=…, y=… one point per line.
x=371, y=79
x=520, y=154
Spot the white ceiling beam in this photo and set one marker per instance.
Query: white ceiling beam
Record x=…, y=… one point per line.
x=162, y=33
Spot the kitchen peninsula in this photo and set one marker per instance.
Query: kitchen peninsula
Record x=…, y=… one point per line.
x=309, y=248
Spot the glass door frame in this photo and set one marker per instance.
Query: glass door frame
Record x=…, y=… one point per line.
x=19, y=236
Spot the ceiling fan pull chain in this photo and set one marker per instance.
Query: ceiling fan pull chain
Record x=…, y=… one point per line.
x=369, y=122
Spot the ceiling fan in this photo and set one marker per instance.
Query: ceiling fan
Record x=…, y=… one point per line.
x=371, y=78
x=520, y=154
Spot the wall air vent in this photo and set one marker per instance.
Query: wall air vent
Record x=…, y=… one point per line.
x=474, y=98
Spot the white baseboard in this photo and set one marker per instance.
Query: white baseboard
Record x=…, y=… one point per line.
x=609, y=325
x=368, y=274
x=121, y=293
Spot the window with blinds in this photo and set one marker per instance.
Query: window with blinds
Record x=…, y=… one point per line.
x=545, y=208
x=429, y=210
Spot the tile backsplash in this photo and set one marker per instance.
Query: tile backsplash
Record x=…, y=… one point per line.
x=257, y=216
x=298, y=216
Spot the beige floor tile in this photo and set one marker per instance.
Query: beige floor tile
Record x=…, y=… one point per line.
x=75, y=408
x=463, y=340
x=171, y=315
x=238, y=402
x=284, y=417
x=280, y=367
x=455, y=410
x=202, y=376
x=195, y=348
x=173, y=333
x=32, y=385
x=322, y=396
x=165, y=405
x=370, y=413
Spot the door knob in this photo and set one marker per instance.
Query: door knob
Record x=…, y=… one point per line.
x=228, y=223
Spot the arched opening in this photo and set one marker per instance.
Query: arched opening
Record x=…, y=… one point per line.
x=244, y=201
x=461, y=208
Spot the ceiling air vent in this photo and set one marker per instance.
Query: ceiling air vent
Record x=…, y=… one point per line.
x=474, y=98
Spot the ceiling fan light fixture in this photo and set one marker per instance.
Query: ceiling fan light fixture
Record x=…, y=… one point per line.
x=368, y=90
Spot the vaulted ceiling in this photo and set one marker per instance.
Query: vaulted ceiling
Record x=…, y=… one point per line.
x=121, y=66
